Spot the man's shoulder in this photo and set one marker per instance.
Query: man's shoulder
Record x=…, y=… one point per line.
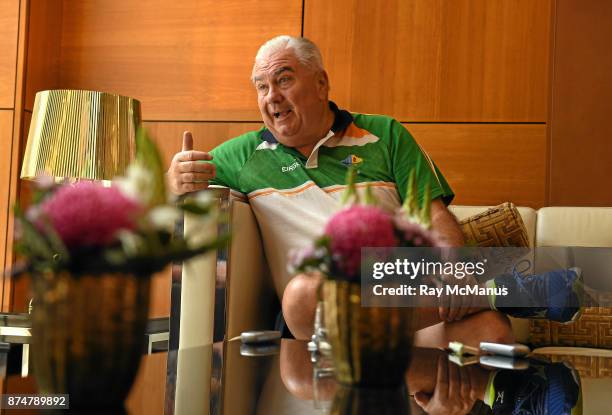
x=386, y=128
x=244, y=142
x=378, y=124
x=233, y=154
x=365, y=117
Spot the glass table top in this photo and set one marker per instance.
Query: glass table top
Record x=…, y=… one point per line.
x=280, y=378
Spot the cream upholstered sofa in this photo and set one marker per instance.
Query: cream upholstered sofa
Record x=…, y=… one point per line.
x=252, y=304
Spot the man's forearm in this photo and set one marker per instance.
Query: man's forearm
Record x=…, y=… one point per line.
x=445, y=224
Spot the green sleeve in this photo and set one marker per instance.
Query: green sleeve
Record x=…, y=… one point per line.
x=406, y=155
x=230, y=157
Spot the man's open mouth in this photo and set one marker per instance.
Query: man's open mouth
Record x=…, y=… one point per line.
x=281, y=114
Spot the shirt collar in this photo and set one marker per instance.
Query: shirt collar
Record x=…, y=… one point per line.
x=342, y=119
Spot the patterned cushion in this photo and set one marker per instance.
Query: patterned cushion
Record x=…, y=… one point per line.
x=592, y=329
x=586, y=365
x=496, y=227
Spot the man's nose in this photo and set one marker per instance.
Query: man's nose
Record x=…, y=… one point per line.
x=274, y=94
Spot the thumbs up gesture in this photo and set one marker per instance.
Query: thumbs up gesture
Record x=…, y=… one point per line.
x=189, y=170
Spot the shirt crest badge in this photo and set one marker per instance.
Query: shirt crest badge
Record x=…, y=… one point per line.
x=352, y=160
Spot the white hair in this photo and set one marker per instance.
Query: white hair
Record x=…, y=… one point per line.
x=306, y=52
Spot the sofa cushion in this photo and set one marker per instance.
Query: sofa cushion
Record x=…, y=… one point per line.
x=592, y=329
x=251, y=299
x=578, y=227
x=503, y=225
x=574, y=226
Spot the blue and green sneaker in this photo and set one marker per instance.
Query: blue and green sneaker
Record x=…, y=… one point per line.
x=554, y=295
x=543, y=389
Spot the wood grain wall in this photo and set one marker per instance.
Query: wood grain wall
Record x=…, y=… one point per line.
x=187, y=60
x=436, y=60
x=469, y=78
x=12, y=58
x=581, y=131
x=39, y=70
x=481, y=172
x=6, y=135
x=9, y=24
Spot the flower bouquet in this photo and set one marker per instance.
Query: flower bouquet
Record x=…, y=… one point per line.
x=91, y=250
x=370, y=345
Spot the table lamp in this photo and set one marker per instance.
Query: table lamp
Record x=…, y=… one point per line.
x=78, y=135
x=81, y=135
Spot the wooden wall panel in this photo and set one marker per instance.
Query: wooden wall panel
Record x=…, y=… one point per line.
x=187, y=60
x=161, y=284
x=149, y=389
x=9, y=13
x=44, y=41
x=487, y=164
x=13, y=160
x=6, y=135
x=581, y=129
x=21, y=286
x=436, y=60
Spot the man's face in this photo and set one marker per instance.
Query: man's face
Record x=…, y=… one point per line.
x=292, y=98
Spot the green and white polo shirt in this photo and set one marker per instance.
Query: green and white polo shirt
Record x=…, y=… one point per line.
x=293, y=196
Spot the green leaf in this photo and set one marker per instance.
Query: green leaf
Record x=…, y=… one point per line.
x=350, y=195
x=55, y=242
x=369, y=196
x=148, y=155
x=411, y=205
x=32, y=243
x=426, y=208
x=146, y=262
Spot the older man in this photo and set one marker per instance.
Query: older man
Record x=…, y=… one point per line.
x=293, y=171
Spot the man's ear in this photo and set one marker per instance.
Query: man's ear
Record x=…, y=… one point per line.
x=323, y=84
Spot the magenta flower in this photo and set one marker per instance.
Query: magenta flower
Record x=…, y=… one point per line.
x=88, y=214
x=358, y=227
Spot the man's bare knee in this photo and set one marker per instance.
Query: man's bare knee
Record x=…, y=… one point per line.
x=299, y=304
x=496, y=327
x=489, y=326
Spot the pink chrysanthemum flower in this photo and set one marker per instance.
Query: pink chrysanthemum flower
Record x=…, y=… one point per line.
x=87, y=214
x=358, y=227
x=414, y=234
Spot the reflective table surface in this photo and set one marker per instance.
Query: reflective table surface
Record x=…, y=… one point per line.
x=280, y=378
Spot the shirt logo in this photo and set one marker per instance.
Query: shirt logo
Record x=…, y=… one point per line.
x=352, y=160
x=292, y=167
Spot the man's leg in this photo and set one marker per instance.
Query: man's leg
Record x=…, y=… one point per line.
x=300, y=301
x=299, y=305
x=490, y=326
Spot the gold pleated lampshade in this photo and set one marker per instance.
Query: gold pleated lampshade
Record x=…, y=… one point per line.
x=81, y=135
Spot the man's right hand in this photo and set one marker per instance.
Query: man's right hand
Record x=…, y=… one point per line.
x=455, y=392
x=189, y=170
